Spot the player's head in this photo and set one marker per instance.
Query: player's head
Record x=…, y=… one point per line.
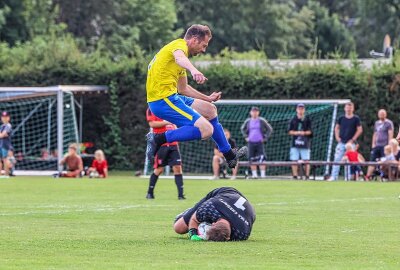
x=227, y=133
x=5, y=117
x=349, y=147
x=349, y=108
x=382, y=114
x=197, y=37
x=219, y=232
x=254, y=112
x=300, y=109
x=72, y=148
x=99, y=155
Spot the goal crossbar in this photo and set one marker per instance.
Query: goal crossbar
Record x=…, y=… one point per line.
x=283, y=101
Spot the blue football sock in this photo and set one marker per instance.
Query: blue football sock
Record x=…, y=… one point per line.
x=219, y=136
x=182, y=134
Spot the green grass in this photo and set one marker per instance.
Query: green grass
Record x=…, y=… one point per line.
x=50, y=223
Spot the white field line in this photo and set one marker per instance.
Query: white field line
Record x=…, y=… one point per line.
x=104, y=208
x=325, y=201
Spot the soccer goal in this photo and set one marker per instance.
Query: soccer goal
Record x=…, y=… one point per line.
x=197, y=156
x=45, y=122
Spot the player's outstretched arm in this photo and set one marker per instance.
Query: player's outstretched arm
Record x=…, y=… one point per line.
x=182, y=60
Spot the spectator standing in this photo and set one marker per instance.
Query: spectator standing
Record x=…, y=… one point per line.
x=168, y=154
x=99, y=168
x=300, y=130
x=5, y=142
x=256, y=131
x=347, y=130
x=383, y=133
x=219, y=160
x=73, y=162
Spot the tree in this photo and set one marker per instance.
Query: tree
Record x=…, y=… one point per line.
x=376, y=19
x=120, y=25
x=243, y=25
x=331, y=35
x=23, y=20
x=112, y=143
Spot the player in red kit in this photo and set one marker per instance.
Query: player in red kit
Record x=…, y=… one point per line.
x=168, y=154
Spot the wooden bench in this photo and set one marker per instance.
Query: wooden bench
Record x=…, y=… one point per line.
x=314, y=164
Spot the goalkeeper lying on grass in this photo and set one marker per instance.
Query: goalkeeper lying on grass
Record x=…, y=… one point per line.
x=230, y=214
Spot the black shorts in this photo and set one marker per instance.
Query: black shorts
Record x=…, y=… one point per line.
x=256, y=152
x=167, y=155
x=377, y=152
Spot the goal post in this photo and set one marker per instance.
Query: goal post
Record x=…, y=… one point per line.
x=197, y=155
x=44, y=123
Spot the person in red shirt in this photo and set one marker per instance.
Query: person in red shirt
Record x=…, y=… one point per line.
x=99, y=166
x=168, y=154
x=353, y=156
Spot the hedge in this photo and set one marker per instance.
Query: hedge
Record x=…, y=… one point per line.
x=370, y=90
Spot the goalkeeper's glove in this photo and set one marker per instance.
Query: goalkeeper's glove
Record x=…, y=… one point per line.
x=193, y=235
x=196, y=238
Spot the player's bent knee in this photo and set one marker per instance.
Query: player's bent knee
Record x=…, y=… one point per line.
x=177, y=169
x=158, y=171
x=207, y=133
x=180, y=226
x=213, y=111
x=206, y=129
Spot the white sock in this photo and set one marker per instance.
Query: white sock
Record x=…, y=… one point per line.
x=254, y=173
x=262, y=173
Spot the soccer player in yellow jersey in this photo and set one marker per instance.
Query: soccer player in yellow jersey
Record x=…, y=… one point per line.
x=171, y=98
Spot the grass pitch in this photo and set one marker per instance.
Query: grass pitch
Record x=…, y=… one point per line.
x=48, y=223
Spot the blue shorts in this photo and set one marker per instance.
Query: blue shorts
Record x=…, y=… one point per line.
x=175, y=109
x=3, y=152
x=299, y=154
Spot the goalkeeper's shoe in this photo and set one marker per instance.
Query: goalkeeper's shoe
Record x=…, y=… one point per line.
x=154, y=142
x=232, y=160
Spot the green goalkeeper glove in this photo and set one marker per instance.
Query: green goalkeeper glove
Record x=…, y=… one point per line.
x=193, y=235
x=196, y=238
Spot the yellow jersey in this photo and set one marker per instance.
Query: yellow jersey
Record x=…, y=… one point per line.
x=163, y=72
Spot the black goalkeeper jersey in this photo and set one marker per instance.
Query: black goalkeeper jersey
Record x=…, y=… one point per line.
x=230, y=204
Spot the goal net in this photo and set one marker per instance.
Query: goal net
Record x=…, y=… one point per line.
x=34, y=128
x=44, y=123
x=197, y=156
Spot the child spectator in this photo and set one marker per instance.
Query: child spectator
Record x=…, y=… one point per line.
x=388, y=159
x=351, y=155
x=73, y=162
x=99, y=168
x=395, y=148
x=388, y=154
